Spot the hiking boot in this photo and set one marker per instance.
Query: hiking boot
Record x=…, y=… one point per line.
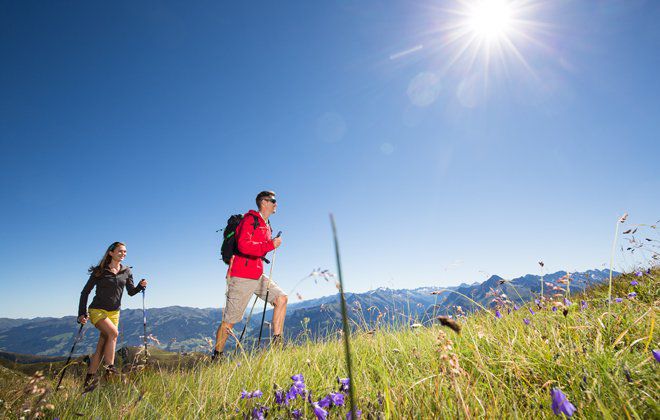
x=217, y=356
x=88, y=379
x=91, y=382
x=111, y=371
x=277, y=341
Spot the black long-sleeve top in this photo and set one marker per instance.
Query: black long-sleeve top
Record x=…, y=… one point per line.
x=109, y=288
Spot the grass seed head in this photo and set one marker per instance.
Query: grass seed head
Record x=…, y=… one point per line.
x=448, y=322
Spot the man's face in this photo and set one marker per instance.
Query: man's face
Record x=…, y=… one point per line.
x=270, y=203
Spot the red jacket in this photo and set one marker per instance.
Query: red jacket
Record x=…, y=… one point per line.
x=253, y=244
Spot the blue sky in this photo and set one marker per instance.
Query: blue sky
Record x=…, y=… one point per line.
x=151, y=122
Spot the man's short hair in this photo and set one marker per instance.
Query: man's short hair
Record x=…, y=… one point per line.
x=262, y=195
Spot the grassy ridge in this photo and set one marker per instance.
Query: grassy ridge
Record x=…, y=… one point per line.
x=495, y=368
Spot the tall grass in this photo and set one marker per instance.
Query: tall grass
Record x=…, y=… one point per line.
x=496, y=368
x=344, y=316
x=622, y=219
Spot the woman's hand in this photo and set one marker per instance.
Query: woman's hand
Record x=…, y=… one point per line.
x=143, y=283
x=82, y=319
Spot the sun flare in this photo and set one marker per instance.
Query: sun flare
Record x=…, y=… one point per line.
x=489, y=19
x=490, y=36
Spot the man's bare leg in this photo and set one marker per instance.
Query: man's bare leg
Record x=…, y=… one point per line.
x=279, y=312
x=221, y=335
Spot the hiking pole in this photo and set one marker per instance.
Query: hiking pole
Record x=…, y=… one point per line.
x=66, y=365
x=240, y=339
x=144, y=322
x=270, y=275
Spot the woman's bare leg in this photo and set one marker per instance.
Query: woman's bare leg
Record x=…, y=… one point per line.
x=96, y=357
x=108, y=329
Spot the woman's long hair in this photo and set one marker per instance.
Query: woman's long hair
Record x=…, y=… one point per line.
x=97, y=270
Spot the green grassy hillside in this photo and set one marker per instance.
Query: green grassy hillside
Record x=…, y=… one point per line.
x=598, y=355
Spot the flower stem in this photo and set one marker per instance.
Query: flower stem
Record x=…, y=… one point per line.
x=609, y=295
x=459, y=293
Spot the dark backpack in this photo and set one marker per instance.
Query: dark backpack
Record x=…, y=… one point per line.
x=229, y=243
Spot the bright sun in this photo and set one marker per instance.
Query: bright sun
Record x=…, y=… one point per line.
x=490, y=33
x=489, y=19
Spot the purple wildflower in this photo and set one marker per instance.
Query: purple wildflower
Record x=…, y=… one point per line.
x=281, y=397
x=498, y=315
x=634, y=283
x=583, y=304
x=639, y=274
x=337, y=398
x=656, y=354
x=298, y=378
x=526, y=321
x=516, y=307
x=296, y=414
x=531, y=311
x=618, y=300
x=298, y=387
x=325, y=402
x=538, y=302
x=247, y=395
x=294, y=392
x=349, y=415
x=554, y=309
x=632, y=295
x=344, y=383
x=259, y=413
x=567, y=302
x=319, y=412
x=560, y=403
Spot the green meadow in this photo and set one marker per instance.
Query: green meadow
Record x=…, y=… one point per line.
x=598, y=355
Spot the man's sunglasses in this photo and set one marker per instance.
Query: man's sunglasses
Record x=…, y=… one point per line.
x=272, y=200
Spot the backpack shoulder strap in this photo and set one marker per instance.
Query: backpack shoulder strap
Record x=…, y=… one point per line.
x=256, y=221
x=255, y=225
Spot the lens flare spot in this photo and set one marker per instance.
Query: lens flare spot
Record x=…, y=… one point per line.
x=330, y=127
x=386, y=148
x=423, y=89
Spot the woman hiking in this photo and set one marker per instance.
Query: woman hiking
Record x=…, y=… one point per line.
x=109, y=277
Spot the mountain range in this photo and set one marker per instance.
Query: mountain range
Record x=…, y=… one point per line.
x=186, y=329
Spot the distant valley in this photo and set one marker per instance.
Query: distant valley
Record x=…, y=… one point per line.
x=185, y=329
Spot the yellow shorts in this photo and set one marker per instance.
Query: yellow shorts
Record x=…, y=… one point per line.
x=95, y=315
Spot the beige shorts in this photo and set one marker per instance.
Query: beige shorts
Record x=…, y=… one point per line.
x=239, y=292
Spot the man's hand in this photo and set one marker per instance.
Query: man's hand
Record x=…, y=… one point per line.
x=82, y=319
x=143, y=283
x=277, y=242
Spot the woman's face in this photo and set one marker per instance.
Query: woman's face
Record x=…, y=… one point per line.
x=119, y=253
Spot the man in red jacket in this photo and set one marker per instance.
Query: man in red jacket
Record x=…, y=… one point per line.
x=245, y=275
